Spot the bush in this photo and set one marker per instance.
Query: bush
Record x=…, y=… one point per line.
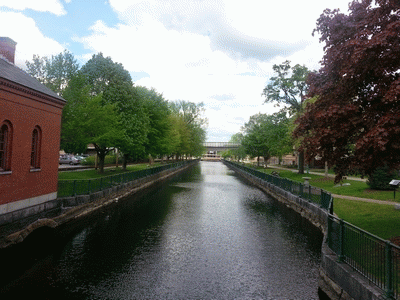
x=380, y=178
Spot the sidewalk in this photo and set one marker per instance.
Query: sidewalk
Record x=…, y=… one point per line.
x=342, y=196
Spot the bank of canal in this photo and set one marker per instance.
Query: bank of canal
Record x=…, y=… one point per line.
x=205, y=234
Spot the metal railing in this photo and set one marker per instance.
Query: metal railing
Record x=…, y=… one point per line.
x=376, y=259
x=70, y=188
x=308, y=192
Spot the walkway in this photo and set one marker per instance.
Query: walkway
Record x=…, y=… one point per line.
x=342, y=196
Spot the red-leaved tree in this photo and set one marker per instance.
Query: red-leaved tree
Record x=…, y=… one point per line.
x=355, y=122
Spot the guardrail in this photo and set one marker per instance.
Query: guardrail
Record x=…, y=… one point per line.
x=376, y=259
x=308, y=192
x=70, y=188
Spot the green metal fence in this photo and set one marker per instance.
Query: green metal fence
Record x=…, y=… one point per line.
x=70, y=188
x=308, y=192
x=374, y=258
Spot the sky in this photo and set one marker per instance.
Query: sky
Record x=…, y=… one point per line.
x=219, y=52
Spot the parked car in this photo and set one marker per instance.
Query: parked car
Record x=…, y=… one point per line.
x=68, y=160
x=79, y=158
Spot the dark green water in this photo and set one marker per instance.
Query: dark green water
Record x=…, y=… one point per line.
x=203, y=235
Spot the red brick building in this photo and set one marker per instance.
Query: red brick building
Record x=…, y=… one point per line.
x=30, y=122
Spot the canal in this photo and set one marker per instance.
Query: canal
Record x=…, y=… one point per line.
x=206, y=234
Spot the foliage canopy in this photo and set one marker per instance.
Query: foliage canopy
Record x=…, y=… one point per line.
x=355, y=122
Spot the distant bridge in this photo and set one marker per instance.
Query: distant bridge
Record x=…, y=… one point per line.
x=215, y=148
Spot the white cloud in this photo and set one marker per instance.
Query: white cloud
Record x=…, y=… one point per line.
x=52, y=6
x=219, y=52
x=30, y=40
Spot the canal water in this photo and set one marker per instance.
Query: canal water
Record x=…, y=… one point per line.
x=205, y=234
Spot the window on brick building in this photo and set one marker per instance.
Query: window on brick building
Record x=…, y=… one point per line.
x=5, y=146
x=35, y=149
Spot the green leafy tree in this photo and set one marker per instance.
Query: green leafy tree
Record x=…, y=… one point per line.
x=86, y=120
x=115, y=84
x=157, y=108
x=191, y=127
x=240, y=152
x=288, y=87
x=255, y=139
x=101, y=72
x=278, y=134
x=54, y=72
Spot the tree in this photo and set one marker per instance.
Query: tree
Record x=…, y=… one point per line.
x=254, y=137
x=157, y=108
x=101, y=71
x=191, y=125
x=240, y=152
x=114, y=83
x=288, y=87
x=54, y=72
x=355, y=121
x=86, y=120
x=278, y=134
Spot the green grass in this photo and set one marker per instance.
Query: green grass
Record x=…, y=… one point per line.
x=378, y=219
x=355, y=189
x=92, y=173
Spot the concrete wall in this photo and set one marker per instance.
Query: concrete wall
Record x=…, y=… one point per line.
x=337, y=280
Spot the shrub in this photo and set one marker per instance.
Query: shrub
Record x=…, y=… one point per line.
x=380, y=178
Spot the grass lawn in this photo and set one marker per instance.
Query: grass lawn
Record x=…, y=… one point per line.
x=92, y=173
x=355, y=189
x=378, y=219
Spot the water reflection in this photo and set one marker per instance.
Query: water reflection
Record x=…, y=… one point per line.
x=205, y=235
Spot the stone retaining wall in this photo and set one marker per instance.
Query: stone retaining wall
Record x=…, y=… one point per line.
x=63, y=210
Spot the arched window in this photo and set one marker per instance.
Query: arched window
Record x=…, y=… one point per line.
x=5, y=146
x=35, y=149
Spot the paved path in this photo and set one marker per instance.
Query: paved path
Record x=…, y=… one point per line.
x=343, y=196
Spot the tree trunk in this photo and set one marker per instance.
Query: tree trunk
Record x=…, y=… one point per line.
x=102, y=156
x=326, y=169
x=124, y=162
x=301, y=162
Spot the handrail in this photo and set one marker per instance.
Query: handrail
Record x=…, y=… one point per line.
x=74, y=187
x=308, y=192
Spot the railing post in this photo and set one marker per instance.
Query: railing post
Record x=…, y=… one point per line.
x=341, y=241
x=74, y=188
x=301, y=190
x=329, y=231
x=90, y=186
x=389, y=271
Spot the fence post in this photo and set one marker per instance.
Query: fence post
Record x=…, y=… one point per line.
x=90, y=186
x=341, y=241
x=329, y=231
x=74, y=189
x=301, y=190
x=389, y=271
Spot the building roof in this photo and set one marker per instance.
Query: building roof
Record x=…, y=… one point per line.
x=12, y=73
